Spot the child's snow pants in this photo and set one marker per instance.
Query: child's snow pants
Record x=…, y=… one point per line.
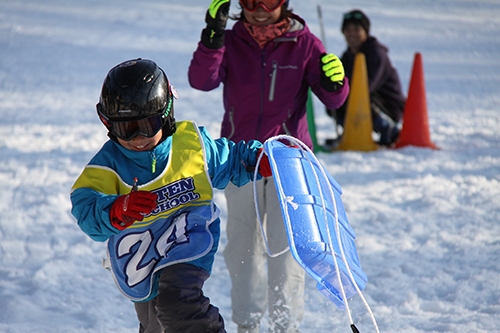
x=180, y=305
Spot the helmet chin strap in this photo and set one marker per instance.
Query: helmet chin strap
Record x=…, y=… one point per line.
x=169, y=128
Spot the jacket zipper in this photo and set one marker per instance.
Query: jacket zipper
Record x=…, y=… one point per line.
x=231, y=122
x=273, y=80
x=153, y=161
x=287, y=131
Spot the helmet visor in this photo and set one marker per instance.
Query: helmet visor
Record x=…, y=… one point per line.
x=127, y=130
x=267, y=5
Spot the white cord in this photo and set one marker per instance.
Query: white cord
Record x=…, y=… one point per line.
x=256, y=201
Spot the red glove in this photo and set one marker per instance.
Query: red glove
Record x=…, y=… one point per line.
x=131, y=207
x=264, y=166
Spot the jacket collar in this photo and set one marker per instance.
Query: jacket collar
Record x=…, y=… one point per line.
x=144, y=158
x=297, y=27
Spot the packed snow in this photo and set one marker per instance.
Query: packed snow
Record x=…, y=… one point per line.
x=427, y=221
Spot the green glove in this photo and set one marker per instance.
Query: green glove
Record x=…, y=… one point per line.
x=216, y=18
x=332, y=72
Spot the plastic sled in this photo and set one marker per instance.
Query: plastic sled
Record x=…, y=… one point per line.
x=316, y=221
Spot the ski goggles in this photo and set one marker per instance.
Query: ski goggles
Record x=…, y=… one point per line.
x=267, y=5
x=353, y=16
x=130, y=128
x=127, y=130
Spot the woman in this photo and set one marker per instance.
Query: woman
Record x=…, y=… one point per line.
x=267, y=63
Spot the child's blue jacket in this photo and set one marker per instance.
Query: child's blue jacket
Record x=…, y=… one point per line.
x=225, y=162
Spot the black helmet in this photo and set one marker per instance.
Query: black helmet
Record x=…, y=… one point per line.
x=134, y=90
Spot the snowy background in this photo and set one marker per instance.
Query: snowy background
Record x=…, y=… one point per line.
x=427, y=221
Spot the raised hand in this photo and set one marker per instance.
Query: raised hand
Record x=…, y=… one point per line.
x=332, y=72
x=216, y=18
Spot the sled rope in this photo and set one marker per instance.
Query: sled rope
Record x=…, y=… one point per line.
x=256, y=201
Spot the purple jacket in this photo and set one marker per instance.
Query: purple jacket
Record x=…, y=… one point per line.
x=265, y=90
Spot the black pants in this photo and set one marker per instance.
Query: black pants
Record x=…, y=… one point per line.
x=180, y=306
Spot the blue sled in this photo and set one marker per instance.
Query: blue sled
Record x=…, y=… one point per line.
x=311, y=204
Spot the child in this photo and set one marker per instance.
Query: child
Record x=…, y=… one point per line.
x=386, y=97
x=149, y=193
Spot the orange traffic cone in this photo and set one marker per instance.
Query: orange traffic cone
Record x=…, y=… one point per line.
x=415, y=131
x=358, y=125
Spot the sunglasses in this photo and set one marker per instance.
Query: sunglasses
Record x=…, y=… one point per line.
x=267, y=5
x=356, y=15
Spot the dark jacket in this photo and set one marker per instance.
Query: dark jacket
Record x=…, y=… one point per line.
x=383, y=78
